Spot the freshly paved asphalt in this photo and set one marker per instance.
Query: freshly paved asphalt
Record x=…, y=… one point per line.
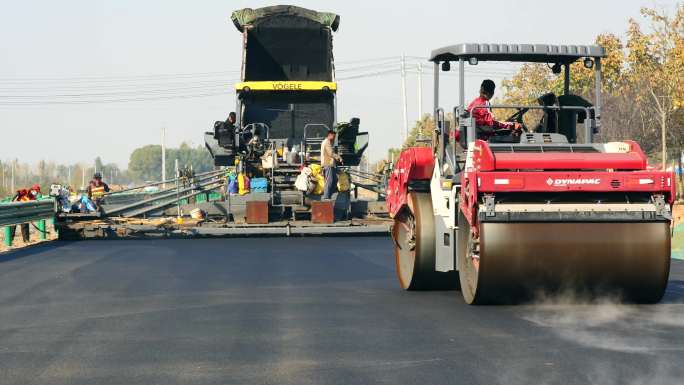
x=302, y=311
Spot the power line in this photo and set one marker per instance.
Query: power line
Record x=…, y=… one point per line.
x=385, y=58
x=82, y=95
x=115, y=86
x=120, y=100
x=373, y=65
x=369, y=74
x=471, y=73
x=150, y=87
x=117, y=77
x=130, y=78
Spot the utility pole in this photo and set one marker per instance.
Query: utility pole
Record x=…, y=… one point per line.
x=420, y=90
x=338, y=106
x=68, y=175
x=404, y=135
x=14, y=164
x=83, y=178
x=178, y=209
x=163, y=149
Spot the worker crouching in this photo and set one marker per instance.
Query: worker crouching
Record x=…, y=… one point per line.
x=25, y=195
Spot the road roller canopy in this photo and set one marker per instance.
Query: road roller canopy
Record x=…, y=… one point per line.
x=558, y=57
x=537, y=53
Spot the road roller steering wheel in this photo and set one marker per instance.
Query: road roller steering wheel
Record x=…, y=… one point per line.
x=517, y=117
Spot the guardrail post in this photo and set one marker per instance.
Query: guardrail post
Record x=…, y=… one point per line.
x=41, y=229
x=53, y=222
x=8, y=235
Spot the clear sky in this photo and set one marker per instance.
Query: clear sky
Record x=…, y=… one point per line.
x=82, y=78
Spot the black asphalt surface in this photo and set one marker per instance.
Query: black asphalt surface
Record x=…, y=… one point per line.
x=303, y=311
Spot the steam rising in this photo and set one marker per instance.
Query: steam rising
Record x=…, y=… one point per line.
x=606, y=325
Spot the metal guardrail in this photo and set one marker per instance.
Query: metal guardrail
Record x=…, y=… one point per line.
x=160, y=204
x=368, y=181
x=167, y=197
x=22, y=212
x=170, y=181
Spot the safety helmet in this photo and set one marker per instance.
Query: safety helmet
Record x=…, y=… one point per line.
x=98, y=175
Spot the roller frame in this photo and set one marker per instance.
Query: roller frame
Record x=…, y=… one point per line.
x=618, y=249
x=495, y=232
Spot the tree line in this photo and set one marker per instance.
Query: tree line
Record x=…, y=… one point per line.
x=642, y=90
x=144, y=165
x=643, y=84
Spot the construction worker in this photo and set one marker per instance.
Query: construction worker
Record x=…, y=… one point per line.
x=230, y=122
x=34, y=193
x=328, y=164
x=97, y=189
x=483, y=116
x=224, y=132
x=25, y=195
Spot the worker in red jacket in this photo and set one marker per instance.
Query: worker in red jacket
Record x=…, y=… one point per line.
x=483, y=116
x=34, y=193
x=25, y=195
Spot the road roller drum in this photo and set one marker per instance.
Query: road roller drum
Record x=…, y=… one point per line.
x=414, y=236
x=519, y=261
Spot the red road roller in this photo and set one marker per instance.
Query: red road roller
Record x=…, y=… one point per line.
x=507, y=212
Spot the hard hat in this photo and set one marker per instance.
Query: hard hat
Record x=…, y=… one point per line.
x=98, y=175
x=35, y=187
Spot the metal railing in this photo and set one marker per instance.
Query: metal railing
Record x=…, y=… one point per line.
x=22, y=212
x=171, y=180
x=167, y=197
x=17, y=213
x=369, y=181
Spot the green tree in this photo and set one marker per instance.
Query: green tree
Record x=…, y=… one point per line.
x=145, y=162
x=655, y=71
x=420, y=135
x=643, y=87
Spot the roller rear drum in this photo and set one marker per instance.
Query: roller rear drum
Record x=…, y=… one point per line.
x=511, y=262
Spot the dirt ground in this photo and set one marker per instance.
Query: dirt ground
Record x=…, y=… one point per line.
x=34, y=237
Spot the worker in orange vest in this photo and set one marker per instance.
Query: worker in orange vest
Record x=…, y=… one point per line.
x=97, y=189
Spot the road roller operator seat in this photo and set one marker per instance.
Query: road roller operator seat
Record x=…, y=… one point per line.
x=554, y=120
